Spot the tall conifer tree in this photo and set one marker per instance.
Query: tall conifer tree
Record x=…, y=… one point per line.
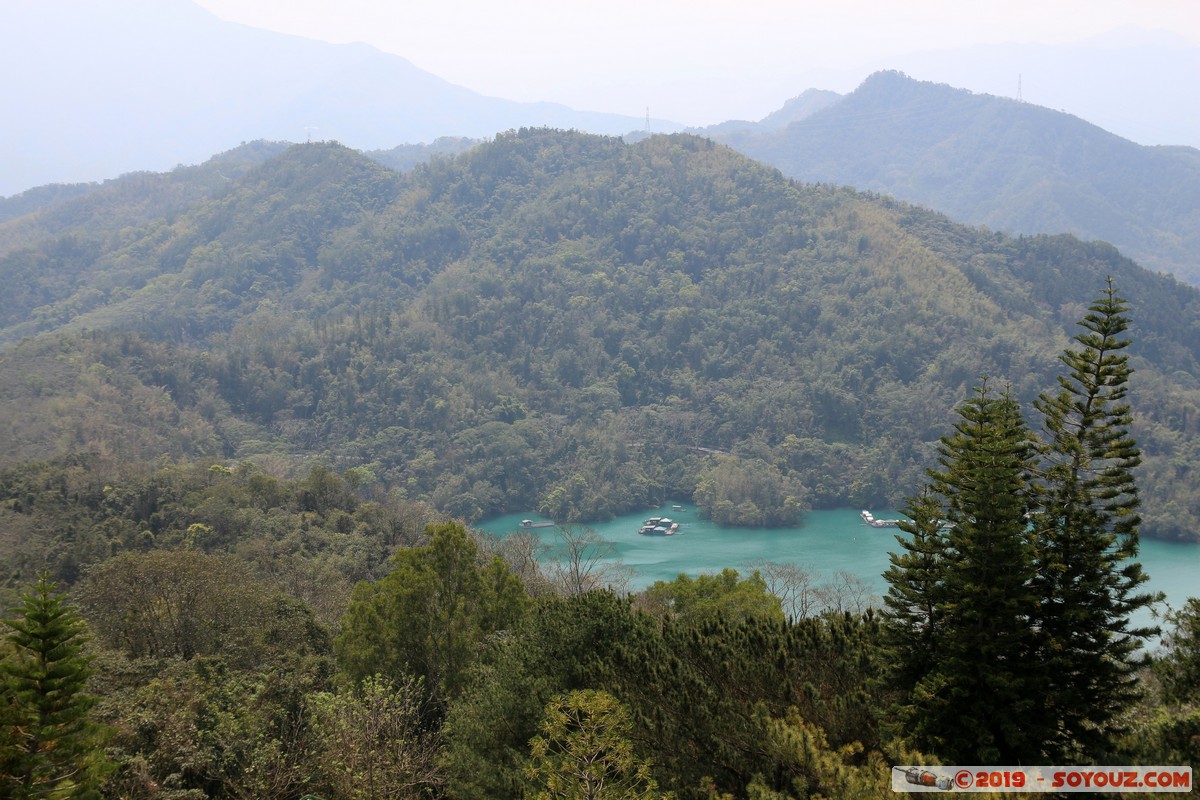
x=914, y=592
x=1012, y=631
x=1088, y=581
x=971, y=703
x=50, y=749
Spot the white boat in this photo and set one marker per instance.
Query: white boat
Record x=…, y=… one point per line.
x=869, y=518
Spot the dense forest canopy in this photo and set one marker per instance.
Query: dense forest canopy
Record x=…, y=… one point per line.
x=556, y=321
x=244, y=636
x=241, y=404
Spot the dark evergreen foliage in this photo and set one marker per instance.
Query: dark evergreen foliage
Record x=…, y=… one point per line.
x=1178, y=667
x=915, y=595
x=1011, y=627
x=962, y=603
x=49, y=745
x=1087, y=530
x=698, y=689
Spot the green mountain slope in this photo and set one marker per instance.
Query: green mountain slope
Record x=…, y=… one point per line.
x=565, y=322
x=991, y=161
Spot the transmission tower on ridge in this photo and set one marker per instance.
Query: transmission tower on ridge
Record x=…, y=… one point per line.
x=1019, y=98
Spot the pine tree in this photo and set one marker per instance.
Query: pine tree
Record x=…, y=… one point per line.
x=914, y=592
x=1013, y=632
x=1088, y=581
x=971, y=703
x=584, y=752
x=50, y=747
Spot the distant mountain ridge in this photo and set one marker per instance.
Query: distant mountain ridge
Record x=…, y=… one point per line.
x=993, y=161
x=94, y=90
x=1133, y=82
x=805, y=105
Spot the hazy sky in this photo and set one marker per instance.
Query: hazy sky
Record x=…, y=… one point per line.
x=691, y=61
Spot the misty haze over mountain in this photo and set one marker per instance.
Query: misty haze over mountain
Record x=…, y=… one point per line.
x=95, y=90
x=132, y=85
x=1137, y=84
x=986, y=160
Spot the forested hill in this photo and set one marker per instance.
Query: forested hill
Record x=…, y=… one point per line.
x=998, y=162
x=563, y=322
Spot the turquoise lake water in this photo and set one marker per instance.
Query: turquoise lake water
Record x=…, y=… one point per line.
x=826, y=543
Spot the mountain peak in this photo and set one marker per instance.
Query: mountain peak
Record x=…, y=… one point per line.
x=996, y=161
x=805, y=105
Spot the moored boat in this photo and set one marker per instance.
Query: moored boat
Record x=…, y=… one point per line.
x=659, y=526
x=870, y=519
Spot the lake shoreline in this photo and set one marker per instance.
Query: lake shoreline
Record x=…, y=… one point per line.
x=827, y=542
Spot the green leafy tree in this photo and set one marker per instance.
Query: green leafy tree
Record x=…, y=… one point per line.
x=202, y=727
x=584, y=752
x=972, y=703
x=750, y=493
x=371, y=742
x=49, y=746
x=1088, y=581
x=563, y=643
x=174, y=604
x=691, y=687
x=709, y=597
x=430, y=614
